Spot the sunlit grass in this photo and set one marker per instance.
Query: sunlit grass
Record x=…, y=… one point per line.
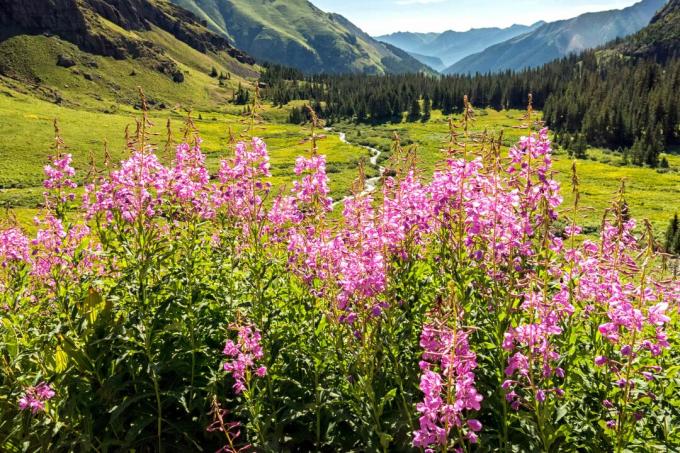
x=26, y=136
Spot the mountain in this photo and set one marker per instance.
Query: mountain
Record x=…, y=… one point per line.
x=296, y=33
x=660, y=39
x=82, y=51
x=434, y=62
x=409, y=41
x=621, y=95
x=558, y=39
x=451, y=46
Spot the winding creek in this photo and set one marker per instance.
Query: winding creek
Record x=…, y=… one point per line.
x=371, y=184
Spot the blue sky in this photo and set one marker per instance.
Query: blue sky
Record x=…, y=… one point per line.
x=385, y=16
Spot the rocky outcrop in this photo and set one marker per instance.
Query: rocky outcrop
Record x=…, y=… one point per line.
x=65, y=61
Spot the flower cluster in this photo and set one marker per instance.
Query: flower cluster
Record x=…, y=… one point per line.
x=34, y=398
x=482, y=229
x=243, y=357
x=59, y=178
x=134, y=191
x=314, y=184
x=242, y=181
x=14, y=247
x=61, y=250
x=189, y=181
x=448, y=385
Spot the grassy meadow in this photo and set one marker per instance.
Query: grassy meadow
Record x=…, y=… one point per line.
x=26, y=137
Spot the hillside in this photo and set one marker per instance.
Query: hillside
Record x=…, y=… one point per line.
x=558, y=39
x=96, y=52
x=298, y=34
x=434, y=62
x=660, y=39
x=451, y=46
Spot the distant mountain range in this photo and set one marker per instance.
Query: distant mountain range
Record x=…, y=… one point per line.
x=558, y=39
x=296, y=33
x=451, y=46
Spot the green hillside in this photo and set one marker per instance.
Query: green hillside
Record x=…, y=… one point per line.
x=296, y=33
x=99, y=60
x=660, y=38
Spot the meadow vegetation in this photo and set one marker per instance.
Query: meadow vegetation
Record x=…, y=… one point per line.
x=250, y=274
x=178, y=299
x=27, y=128
x=651, y=193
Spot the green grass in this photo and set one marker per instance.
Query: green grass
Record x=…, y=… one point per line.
x=26, y=137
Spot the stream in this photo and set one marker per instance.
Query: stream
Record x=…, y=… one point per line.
x=371, y=183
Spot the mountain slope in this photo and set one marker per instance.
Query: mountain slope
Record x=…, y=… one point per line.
x=409, y=41
x=557, y=39
x=298, y=34
x=660, y=39
x=85, y=51
x=451, y=46
x=434, y=62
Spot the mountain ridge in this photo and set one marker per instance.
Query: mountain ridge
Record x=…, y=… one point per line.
x=558, y=39
x=296, y=33
x=451, y=46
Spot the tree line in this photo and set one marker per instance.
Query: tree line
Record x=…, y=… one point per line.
x=599, y=98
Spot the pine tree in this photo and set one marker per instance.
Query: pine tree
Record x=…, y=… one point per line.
x=241, y=96
x=578, y=147
x=298, y=115
x=427, y=108
x=672, y=243
x=414, y=110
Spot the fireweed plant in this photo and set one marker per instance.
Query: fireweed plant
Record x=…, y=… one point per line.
x=160, y=307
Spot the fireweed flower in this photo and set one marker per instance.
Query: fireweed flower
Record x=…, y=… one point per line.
x=349, y=262
x=34, y=398
x=244, y=355
x=405, y=213
x=14, y=247
x=243, y=181
x=188, y=181
x=62, y=251
x=313, y=187
x=135, y=190
x=59, y=178
x=308, y=200
x=448, y=386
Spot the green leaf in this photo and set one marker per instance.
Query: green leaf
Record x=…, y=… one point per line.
x=11, y=341
x=93, y=306
x=385, y=440
x=60, y=360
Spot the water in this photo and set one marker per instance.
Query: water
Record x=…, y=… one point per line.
x=371, y=184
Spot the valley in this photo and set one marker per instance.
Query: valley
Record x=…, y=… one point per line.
x=252, y=226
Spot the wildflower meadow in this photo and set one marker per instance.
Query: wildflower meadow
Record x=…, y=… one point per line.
x=158, y=306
